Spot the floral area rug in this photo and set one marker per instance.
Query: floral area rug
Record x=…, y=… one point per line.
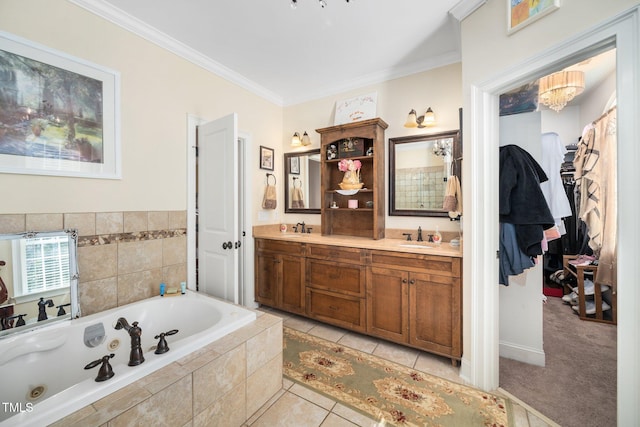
x=385, y=391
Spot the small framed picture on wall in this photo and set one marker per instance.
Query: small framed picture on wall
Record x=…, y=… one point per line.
x=266, y=158
x=294, y=165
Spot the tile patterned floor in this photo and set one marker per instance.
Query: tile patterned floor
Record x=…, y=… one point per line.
x=297, y=406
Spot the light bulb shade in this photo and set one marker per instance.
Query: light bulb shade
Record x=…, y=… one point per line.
x=558, y=89
x=412, y=120
x=305, y=139
x=429, y=118
x=295, y=140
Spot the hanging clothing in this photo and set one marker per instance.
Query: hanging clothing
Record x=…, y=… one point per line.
x=521, y=200
x=512, y=260
x=596, y=179
x=553, y=154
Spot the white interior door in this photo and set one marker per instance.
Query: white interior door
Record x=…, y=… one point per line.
x=218, y=225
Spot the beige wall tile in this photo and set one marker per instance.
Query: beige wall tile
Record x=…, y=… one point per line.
x=177, y=220
x=198, y=358
x=174, y=274
x=97, y=262
x=264, y=347
x=174, y=250
x=264, y=383
x=109, y=222
x=74, y=417
x=135, y=222
x=44, y=222
x=229, y=410
x=138, y=286
x=160, y=379
x=85, y=223
x=158, y=220
x=139, y=256
x=216, y=378
x=98, y=295
x=11, y=223
x=170, y=407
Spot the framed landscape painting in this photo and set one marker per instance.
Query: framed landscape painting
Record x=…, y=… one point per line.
x=59, y=115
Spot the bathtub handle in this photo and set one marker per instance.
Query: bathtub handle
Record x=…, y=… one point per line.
x=162, y=346
x=32, y=347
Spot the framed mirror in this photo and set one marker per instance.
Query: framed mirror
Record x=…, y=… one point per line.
x=38, y=279
x=302, y=182
x=419, y=167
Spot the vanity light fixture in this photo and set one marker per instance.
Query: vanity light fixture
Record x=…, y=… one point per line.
x=426, y=120
x=297, y=141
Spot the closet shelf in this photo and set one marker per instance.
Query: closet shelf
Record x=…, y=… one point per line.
x=579, y=272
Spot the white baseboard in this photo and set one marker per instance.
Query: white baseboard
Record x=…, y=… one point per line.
x=532, y=356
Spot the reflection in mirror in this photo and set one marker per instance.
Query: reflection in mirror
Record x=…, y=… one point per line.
x=302, y=182
x=38, y=279
x=419, y=167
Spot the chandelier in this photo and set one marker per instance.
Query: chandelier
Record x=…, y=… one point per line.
x=323, y=3
x=557, y=89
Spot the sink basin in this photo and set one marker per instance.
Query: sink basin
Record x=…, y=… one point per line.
x=414, y=245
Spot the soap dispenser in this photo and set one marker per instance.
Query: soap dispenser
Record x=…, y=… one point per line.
x=437, y=237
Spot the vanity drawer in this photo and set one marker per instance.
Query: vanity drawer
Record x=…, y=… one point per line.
x=441, y=265
x=280, y=246
x=336, y=253
x=336, y=276
x=340, y=310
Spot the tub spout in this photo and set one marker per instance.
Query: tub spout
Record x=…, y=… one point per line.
x=135, y=332
x=42, y=308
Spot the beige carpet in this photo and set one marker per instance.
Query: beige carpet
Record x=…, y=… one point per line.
x=390, y=393
x=577, y=387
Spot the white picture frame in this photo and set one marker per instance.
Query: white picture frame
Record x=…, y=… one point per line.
x=61, y=115
x=521, y=13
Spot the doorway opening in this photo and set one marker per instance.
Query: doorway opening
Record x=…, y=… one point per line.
x=548, y=347
x=245, y=270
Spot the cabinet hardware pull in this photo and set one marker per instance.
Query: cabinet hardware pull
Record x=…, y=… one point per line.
x=404, y=280
x=412, y=282
x=333, y=307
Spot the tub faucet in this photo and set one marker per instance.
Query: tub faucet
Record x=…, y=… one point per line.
x=42, y=308
x=135, y=332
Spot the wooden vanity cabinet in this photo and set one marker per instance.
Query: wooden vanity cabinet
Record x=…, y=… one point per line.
x=280, y=275
x=335, y=286
x=417, y=300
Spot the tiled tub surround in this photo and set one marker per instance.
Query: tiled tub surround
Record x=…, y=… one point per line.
x=222, y=384
x=122, y=256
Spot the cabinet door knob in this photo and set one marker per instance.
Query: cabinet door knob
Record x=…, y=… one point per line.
x=404, y=280
x=412, y=282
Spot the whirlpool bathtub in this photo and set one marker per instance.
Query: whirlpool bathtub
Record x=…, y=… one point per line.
x=43, y=371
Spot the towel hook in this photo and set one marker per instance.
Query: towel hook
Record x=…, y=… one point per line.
x=271, y=175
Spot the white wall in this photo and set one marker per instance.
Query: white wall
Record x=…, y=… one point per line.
x=158, y=90
x=521, y=301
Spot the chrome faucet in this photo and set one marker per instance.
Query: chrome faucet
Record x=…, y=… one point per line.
x=135, y=332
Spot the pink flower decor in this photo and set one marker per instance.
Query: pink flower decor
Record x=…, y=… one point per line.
x=349, y=165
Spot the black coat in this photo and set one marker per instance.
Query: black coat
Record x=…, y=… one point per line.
x=522, y=202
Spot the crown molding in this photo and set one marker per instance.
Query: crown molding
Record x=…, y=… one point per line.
x=465, y=8
x=138, y=27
